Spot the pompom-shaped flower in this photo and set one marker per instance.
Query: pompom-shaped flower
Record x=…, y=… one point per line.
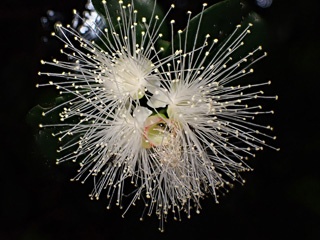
x=175, y=122
x=211, y=128
x=116, y=69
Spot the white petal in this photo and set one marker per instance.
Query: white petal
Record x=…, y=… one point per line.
x=140, y=114
x=153, y=84
x=159, y=99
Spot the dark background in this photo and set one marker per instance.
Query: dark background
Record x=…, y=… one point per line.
x=281, y=198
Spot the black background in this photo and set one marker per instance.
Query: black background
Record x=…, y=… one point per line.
x=281, y=198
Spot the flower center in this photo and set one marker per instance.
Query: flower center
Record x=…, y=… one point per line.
x=128, y=76
x=156, y=131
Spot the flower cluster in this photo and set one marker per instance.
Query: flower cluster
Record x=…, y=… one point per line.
x=177, y=128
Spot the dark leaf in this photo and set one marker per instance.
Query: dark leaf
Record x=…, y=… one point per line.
x=218, y=20
x=44, y=139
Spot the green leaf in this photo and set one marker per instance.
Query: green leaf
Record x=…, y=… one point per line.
x=36, y=115
x=44, y=139
x=259, y=35
x=164, y=44
x=218, y=20
x=256, y=39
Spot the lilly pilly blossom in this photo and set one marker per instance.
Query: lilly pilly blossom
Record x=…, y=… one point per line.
x=177, y=128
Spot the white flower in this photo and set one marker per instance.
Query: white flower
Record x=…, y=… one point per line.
x=118, y=75
x=103, y=125
x=177, y=128
x=212, y=131
x=112, y=151
x=131, y=76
